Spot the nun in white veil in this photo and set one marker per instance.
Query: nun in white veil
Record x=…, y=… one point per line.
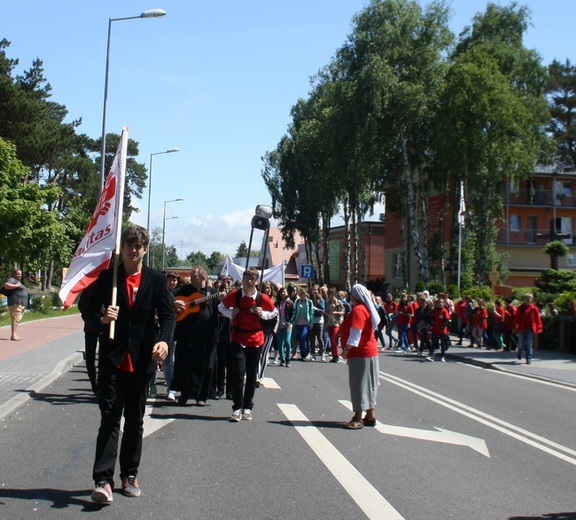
x=361, y=352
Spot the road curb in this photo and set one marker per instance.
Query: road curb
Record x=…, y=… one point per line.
x=61, y=368
x=490, y=366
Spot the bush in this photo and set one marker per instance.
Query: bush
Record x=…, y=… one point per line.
x=453, y=291
x=520, y=292
x=436, y=288
x=480, y=292
x=563, y=300
x=38, y=303
x=420, y=286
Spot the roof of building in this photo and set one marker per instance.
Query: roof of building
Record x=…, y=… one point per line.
x=277, y=248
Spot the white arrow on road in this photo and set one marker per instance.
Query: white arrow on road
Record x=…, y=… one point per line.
x=445, y=436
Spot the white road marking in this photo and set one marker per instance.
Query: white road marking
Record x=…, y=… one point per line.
x=532, y=439
x=442, y=435
x=268, y=382
x=372, y=503
x=524, y=378
x=151, y=424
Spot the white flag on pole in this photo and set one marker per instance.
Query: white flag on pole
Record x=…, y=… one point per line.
x=95, y=250
x=462, y=209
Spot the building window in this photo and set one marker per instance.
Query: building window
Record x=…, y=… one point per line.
x=397, y=265
x=514, y=222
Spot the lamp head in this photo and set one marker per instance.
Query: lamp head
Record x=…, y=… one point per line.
x=153, y=13
x=263, y=211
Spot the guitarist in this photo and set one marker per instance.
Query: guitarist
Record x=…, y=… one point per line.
x=196, y=339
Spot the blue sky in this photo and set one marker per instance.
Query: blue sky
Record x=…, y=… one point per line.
x=215, y=78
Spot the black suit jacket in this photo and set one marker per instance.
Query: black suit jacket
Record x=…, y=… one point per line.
x=136, y=329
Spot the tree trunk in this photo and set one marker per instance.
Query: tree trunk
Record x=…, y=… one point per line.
x=412, y=221
x=346, y=210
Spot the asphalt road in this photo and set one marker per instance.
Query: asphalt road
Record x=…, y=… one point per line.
x=453, y=441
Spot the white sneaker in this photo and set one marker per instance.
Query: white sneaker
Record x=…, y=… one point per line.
x=171, y=395
x=247, y=414
x=443, y=359
x=323, y=357
x=429, y=358
x=236, y=416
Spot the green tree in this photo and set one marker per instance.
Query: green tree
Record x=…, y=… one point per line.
x=198, y=258
x=492, y=119
x=561, y=91
x=215, y=259
x=395, y=60
x=242, y=250
x=31, y=235
x=556, y=249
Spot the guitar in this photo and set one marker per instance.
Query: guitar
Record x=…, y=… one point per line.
x=193, y=303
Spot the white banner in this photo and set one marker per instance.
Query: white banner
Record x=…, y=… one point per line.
x=274, y=274
x=95, y=250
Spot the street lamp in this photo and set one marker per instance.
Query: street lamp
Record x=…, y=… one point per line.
x=151, y=13
x=260, y=220
x=170, y=150
x=164, y=227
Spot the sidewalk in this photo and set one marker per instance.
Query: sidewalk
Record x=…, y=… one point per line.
x=53, y=346
x=547, y=365
x=49, y=348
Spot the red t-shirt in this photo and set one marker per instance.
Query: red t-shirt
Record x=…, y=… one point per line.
x=132, y=285
x=401, y=319
x=359, y=318
x=481, y=318
x=461, y=309
x=390, y=307
x=246, y=327
x=441, y=321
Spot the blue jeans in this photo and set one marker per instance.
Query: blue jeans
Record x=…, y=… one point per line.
x=403, y=337
x=302, y=336
x=525, y=342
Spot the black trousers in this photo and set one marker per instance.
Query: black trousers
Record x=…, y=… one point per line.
x=243, y=361
x=120, y=393
x=90, y=349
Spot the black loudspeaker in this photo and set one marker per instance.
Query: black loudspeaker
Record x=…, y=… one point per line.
x=260, y=223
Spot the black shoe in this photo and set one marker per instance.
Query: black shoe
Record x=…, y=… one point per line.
x=183, y=399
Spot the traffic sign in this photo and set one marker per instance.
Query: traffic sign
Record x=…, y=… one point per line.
x=306, y=271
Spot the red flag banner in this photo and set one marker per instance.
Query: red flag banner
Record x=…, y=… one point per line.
x=95, y=250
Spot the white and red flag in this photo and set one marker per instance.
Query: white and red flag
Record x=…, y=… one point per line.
x=95, y=250
x=462, y=209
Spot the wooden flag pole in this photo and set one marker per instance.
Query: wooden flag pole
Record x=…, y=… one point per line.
x=120, y=163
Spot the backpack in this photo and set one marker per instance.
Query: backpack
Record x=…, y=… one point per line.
x=268, y=326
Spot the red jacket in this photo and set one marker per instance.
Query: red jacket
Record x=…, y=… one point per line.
x=528, y=317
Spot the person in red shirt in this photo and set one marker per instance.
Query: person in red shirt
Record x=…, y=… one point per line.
x=528, y=322
x=480, y=323
x=440, y=329
x=405, y=312
x=499, y=326
x=509, y=319
x=247, y=340
x=144, y=322
x=390, y=306
x=361, y=351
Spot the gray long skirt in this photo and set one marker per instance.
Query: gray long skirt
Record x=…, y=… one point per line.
x=363, y=380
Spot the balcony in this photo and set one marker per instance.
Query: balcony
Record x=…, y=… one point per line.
x=527, y=197
x=523, y=237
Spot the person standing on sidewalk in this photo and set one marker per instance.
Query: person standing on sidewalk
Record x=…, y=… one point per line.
x=128, y=361
x=528, y=322
x=247, y=340
x=17, y=301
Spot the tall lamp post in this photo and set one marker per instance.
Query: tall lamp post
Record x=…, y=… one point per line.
x=164, y=227
x=170, y=150
x=151, y=13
